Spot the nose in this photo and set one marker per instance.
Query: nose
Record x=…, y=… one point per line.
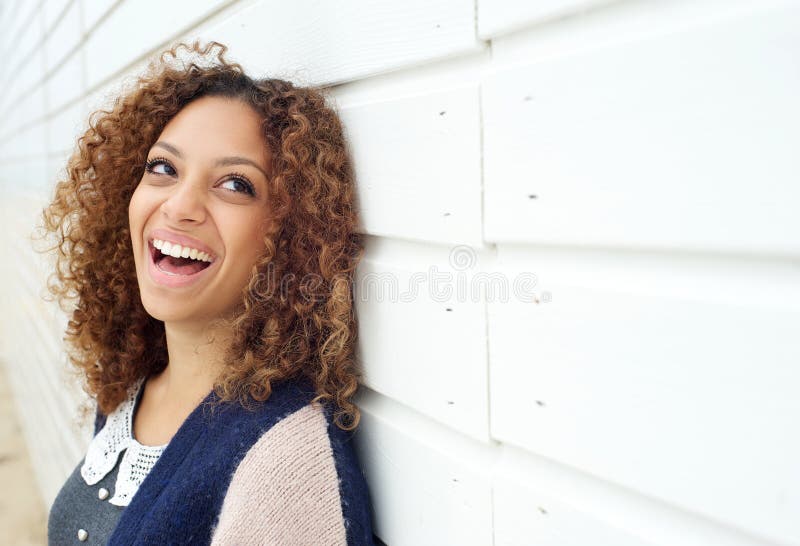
x=185, y=203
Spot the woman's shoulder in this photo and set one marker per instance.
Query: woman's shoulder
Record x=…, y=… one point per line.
x=299, y=482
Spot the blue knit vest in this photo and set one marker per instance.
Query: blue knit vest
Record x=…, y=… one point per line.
x=180, y=499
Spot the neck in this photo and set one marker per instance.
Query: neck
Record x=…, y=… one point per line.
x=195, y=360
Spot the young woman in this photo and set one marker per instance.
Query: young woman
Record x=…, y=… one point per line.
x=206, y=237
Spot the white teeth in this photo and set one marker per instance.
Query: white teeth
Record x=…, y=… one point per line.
x=177, y=251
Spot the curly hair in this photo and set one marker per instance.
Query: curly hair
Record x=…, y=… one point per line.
x=307, y=329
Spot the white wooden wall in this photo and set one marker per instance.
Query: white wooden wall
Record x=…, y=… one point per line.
x=628, y=172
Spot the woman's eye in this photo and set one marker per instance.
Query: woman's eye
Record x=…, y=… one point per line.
x=159, y=166
x=239, y=185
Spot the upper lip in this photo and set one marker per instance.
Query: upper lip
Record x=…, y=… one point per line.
x=183, y=240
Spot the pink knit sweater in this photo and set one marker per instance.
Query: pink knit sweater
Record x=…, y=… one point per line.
x=283, y=474
x=285, y=490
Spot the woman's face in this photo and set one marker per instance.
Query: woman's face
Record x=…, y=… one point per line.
x=205, y=189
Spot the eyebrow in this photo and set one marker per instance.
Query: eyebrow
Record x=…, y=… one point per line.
x=222, y=162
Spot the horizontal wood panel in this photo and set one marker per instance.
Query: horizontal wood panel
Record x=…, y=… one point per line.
x=25, y=35
x=526, y=512
x=52, y=12
x=65, y=127
x=18, y=107
x=540, y=502
x=497, y=17
x=95, y=11
x=65, y=85
x=37, y=367
x=23, y=144
x=418, y=344
x=418, y=165
x=324, y=43
x=683, y=140
x=669, y=377
x=63, y=37
x=135, y=29
x=428, y=485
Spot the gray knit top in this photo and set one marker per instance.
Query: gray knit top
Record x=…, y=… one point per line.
x=84, y=513
x=79, y=506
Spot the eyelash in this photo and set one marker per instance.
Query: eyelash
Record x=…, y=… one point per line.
x=234, y=176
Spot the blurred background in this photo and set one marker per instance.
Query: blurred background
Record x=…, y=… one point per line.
x=610, y=191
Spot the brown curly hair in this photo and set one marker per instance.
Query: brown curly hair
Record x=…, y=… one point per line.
x=307, y=329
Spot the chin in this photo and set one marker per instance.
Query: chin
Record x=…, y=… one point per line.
x=164, y=313
x=176, y=312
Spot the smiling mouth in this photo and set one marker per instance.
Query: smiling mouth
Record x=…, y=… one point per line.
x=171, y=265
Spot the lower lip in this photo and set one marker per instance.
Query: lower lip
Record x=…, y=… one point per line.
x=174, y=281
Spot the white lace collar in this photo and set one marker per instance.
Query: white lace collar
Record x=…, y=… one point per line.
x=105, y=447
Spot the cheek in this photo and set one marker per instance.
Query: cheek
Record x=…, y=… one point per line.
x=246, y=230
x=248, y=247
x=250, y=251
x=134, y=209
x=135, y=226
x=140, y=208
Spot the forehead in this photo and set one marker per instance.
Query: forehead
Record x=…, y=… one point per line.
x=216, y=126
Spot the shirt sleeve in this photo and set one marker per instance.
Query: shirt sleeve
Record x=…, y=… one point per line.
x=286, y=490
